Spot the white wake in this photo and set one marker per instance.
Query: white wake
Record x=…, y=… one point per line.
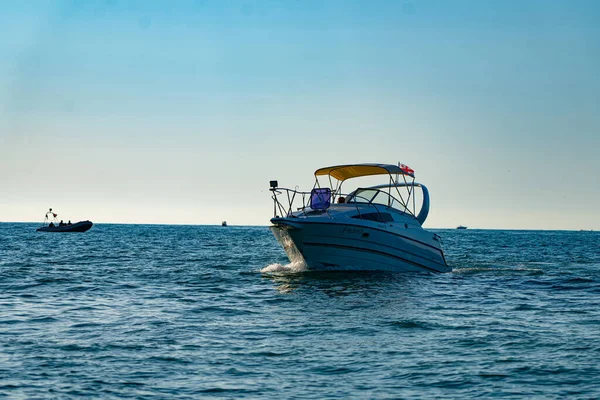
x=293, y=268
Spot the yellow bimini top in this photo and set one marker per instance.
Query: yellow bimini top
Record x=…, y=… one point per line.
x=343, y=172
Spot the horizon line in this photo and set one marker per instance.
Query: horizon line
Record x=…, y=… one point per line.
x=252, y=225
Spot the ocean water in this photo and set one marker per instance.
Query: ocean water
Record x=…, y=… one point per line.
x=141, y=311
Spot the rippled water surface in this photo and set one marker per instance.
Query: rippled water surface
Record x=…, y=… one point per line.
x=190, y=311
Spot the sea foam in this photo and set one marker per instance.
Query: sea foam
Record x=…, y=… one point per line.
x=293, y=267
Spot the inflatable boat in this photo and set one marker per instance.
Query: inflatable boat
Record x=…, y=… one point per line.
x=51, y=224
x=80, y=226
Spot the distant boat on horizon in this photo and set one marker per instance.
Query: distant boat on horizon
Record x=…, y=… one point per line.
x=224, y=223
x=461, y=227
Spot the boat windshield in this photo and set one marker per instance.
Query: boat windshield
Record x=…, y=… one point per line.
x=375, y=196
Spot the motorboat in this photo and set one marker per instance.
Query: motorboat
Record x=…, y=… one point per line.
x=461, y=227
x=51, y=224
x=224, y=223
x=80, y=226
x=370, y=228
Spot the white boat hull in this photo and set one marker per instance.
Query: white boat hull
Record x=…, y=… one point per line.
x=365, y=246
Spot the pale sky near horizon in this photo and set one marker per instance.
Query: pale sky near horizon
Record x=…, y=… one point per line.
x=181, y=112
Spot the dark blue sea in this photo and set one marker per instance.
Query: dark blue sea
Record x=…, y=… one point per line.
x=157, y=312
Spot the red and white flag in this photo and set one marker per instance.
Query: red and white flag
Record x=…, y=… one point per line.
x=407, y=170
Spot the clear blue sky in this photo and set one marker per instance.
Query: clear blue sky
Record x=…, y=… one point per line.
x=182, y=111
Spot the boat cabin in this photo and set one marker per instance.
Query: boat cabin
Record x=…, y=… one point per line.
x=397, y=196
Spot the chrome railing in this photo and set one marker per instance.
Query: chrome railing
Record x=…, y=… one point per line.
x=280, y=209
x=286, y=201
